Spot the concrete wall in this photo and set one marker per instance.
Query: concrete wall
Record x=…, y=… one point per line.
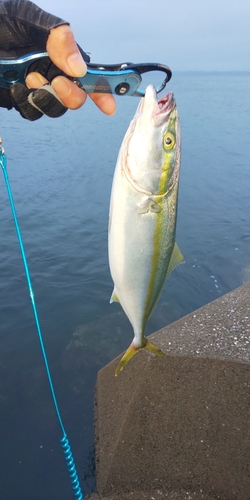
x=179, y=427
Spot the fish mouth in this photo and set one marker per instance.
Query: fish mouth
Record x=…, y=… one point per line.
x=158, y=110
x=166, y=104
x=165, y=107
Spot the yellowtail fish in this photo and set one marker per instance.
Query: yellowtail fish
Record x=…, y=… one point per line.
x=143, y=210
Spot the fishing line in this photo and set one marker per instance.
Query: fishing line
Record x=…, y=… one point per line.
x=64, y=441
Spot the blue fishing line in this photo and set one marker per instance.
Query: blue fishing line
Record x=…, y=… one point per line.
x=64, y=441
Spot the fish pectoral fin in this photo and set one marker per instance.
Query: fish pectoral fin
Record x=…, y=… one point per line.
x=176, y=259
x=149, y=205
x=132, y=350
x=114, y=297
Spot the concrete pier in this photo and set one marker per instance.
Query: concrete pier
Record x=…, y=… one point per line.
x=179, y=427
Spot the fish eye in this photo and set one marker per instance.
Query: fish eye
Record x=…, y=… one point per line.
x=169, y=141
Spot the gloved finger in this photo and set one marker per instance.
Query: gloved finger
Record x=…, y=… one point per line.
x=46, y=101
x=35, y=80
x=69, y=93
x=71, y=96
x=33, y=104
x=64, y=52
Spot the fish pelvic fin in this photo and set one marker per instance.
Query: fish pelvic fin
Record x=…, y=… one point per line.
x=132, y=350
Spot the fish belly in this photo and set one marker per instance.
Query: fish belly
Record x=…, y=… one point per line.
x=141, y=241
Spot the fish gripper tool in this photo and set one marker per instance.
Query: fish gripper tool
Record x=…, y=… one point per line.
x=118, y=79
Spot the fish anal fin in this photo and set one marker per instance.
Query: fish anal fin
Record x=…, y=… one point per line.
x=132, y=350
x=114, y=297
x=176, y=259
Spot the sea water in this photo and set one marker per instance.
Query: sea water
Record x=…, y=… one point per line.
x=61, y=173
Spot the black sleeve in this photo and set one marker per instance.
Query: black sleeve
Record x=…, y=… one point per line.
x=24, y=27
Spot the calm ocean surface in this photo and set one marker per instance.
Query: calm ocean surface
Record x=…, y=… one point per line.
x=61, y=173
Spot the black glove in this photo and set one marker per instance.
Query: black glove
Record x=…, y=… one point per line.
x=25, y=28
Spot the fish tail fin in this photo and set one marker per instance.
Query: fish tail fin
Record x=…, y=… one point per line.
x=132, y=350
x=155, y=350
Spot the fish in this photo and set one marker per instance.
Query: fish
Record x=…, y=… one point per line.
x=143, y=210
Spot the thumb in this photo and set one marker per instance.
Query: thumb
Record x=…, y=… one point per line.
x=63, y=51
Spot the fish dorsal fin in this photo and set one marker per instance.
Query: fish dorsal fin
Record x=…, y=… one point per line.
x=114, y=297
x=176, y=259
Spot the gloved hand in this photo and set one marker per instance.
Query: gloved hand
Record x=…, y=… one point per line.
x=24, y=28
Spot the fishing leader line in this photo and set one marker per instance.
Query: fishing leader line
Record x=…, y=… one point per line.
x=64, y=440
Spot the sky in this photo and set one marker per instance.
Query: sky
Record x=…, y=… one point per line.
x=187, y=35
